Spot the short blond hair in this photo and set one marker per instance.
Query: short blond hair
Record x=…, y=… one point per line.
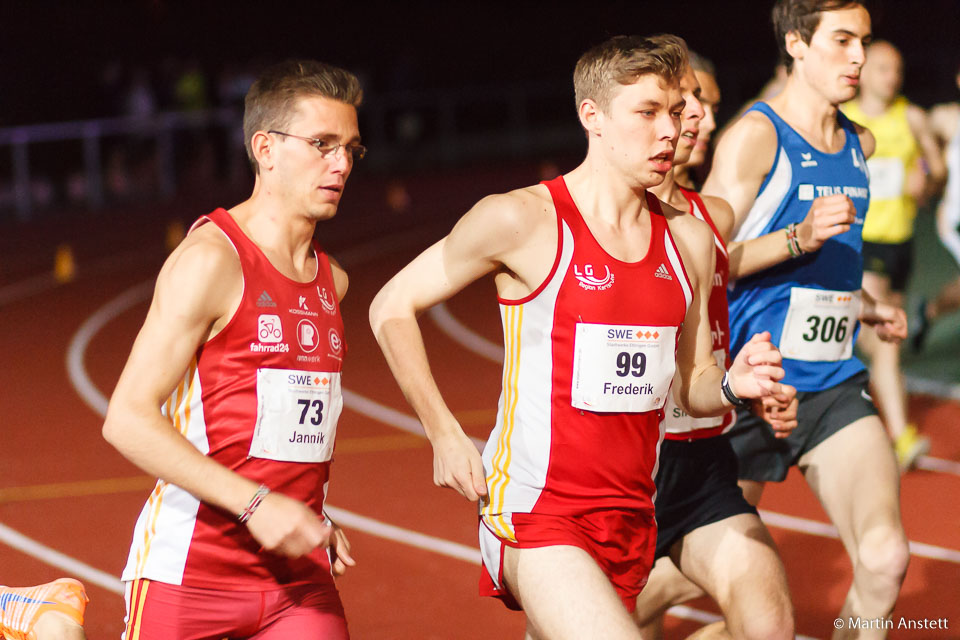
x=621, y=60
x=272, y=99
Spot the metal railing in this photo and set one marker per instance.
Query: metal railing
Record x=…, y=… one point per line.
x=403, y=129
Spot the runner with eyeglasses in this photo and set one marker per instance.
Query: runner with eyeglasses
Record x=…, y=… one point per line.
x=231, y=394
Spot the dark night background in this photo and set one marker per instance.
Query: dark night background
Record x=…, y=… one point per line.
x=54, y=53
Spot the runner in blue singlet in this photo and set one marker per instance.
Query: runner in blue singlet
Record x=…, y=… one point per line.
x=797, y=165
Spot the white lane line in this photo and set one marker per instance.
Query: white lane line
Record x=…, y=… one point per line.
x=26, y=288
x=380, y=413
x=825, y=530
x=492, y=351
x=459, y=332
x=81, y=339
x=54, y=558
x=406, y=536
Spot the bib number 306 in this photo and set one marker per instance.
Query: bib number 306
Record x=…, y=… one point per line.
x=820, y=324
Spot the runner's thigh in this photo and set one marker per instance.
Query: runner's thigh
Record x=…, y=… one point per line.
x=565, y=594
x=854, y=474
x=735, y=560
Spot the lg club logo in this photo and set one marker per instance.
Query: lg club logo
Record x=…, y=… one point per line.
x=327, y=300
x=589, y=281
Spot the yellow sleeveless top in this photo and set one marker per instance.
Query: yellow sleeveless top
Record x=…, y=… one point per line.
x=890, y=216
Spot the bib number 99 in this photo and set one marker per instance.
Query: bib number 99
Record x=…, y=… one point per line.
x=634, y=366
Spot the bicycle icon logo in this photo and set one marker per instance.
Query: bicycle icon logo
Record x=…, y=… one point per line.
x=269, y=328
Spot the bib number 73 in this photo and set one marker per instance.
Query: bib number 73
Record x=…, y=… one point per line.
x=314, y=407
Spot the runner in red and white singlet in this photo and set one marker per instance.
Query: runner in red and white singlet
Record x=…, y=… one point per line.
x=596, y=446
x=283, y=345
x=231, y=394
x=594, y=283
x=679, y=425
x=705, y=525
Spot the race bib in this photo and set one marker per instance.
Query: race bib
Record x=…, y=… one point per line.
x=679, y=421
x=297, y=414
x=622, y=368
x=887, y=177
x=819, y=325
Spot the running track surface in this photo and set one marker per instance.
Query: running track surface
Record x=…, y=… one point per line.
x=62, y=486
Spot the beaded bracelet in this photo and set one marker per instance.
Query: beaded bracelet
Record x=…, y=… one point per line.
x=793, y=241
x=255, y=501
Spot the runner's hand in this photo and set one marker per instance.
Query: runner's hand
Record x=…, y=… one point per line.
x=340, y=550
x=457, y=464
x=779, y=410
x=889, y=321
x=287, y=527
x=828, y=216
x=756, y=369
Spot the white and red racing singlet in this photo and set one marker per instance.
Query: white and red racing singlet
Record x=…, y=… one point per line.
x=680, y=425
x=588, y=362
x=262, y=398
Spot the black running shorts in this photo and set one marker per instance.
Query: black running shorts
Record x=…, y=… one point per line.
x=890, y=260
x=821, y=414
x=696, y=486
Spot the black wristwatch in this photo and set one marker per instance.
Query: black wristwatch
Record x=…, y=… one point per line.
x=729, y=394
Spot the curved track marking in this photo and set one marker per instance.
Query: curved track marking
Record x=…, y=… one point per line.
x=60, y=560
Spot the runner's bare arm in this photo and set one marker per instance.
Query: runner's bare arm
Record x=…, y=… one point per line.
x=756, y=368
x=485, y=239
x=722, y=215
x=197, y=291
x=943, y=123
x=743, y=159
x=927, y=179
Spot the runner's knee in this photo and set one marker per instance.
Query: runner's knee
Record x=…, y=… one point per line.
x=774, y=624
x=884, y=551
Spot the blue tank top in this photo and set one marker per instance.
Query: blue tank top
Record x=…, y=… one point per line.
x=761, y=302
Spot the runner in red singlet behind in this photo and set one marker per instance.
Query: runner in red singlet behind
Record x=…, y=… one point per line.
x=706, y=528
x=595, y=281
x=231, y=394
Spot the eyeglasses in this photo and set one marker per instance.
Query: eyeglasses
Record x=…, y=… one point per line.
x=355, y=149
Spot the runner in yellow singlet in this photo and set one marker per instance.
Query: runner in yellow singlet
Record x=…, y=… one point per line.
x=906, y=169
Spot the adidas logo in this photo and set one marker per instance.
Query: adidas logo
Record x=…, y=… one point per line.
x=265, y=300
x=663, y=273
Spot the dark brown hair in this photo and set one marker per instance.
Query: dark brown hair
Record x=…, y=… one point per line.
x=803, y=16
x=272, y=99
